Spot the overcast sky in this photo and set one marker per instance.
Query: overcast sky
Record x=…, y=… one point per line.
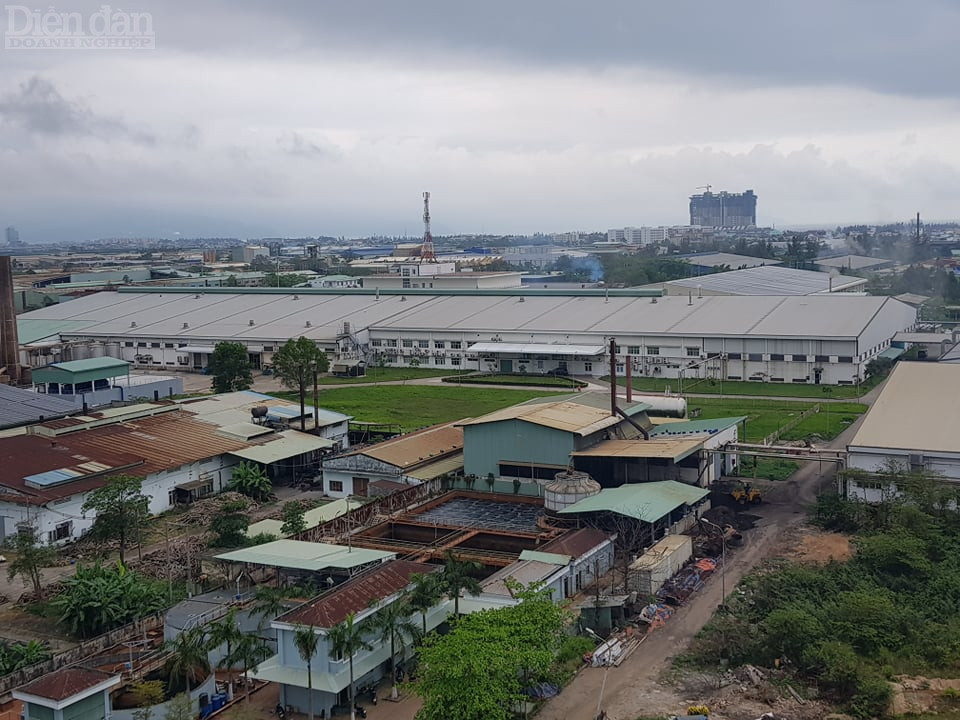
x=315, y=117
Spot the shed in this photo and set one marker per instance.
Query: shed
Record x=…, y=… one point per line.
x=91, y=374
x=68, y=694
x=650, y=571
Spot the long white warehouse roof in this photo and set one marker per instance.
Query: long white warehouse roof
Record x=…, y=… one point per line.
x=261, y=317
x=767, y=280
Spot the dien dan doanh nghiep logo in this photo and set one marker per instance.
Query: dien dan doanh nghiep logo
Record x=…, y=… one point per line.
x=105, y=29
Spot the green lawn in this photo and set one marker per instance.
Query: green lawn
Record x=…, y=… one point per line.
x=384, y=374
x=767, y=416
x=538, y=380
x=416, y=406
x=699, y=386
x=768, y=468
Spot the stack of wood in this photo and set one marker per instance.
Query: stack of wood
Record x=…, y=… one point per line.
x=48, y=592
x=201, y=511
x=155, y=564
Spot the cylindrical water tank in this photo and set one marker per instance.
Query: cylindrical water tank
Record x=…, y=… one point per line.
x=664, y=405
x=566, y=488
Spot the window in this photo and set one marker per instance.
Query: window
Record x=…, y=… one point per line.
x=439, y=344
x=376, y=343
x=391, y=343
x=620, y=368
x=141, y=344
x=154, y=345
x=755, y=357
x=733, y=356
x=168, y=345
x=653, y=350
x=406, y=282
x=617, y=349
x=455, y=362
x=128, y=344
x=693, y=352
x=799, y=380
x=633, y=349
x=425, y=344
x=845, y=359
x=869, y=485
x=61, y=531
x=734, y=377
x=408, y=343
x=268, y=348
x=588, y=367
x=455, y=345
x=336, y=486
x=776, y=357
x=822, y=358
x=800, y=358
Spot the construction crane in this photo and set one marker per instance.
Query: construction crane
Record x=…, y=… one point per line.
x=427, y=253
x=704, y=187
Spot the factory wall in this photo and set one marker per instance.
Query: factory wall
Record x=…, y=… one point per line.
x=486, y=446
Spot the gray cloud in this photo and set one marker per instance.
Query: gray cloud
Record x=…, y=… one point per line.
x=38, y=107
x=295, y=144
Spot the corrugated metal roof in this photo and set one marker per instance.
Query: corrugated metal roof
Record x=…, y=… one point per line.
x=356, y=594
x=18, y=407
x=766, y=280
x=450, y=464
x=916, y=411
x=674, y=449
x=545, y=557
x=312, y=518
x=283, y=445
x=643, y=501
x=523, y=571
x=423, y=446
x=579, y=414
x=537, y=349
x=100, y=363
x=67, y=682
x=305, y=555
x=696, y=427
x=576, y=543
x=731, y=260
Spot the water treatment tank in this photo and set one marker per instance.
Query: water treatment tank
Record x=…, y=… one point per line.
x=566, y=488
x=663, y=405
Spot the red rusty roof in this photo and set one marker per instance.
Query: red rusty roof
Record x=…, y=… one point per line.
x=356, y=594
x=137, y=447
x=575, y=543
x=66, y=683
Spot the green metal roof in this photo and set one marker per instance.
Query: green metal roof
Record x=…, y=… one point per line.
x=891, y=353
x=692, y=427
x=80, y=371
x=30, y=330
x=299, y=555
x=643, y=501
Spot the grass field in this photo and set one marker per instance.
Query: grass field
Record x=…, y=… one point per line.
x=767, y=416
x=384, y=374
x=538, y=380
x=769, y=468
x=416, y=406
x=699, y=386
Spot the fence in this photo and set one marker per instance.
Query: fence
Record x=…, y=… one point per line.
x=774, y=436
x=80, y=652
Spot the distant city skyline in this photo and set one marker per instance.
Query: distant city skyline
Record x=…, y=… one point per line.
x=299, y=119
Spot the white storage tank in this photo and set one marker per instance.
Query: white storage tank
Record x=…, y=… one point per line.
x=650, y=571
x=566, y=488
x=664, y=405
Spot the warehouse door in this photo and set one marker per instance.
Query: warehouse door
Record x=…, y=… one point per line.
x=506, y=366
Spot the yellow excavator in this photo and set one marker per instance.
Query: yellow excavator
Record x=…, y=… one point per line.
x=745, y=493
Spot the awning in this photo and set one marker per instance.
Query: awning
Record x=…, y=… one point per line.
x=891, y=353
x=199, y=349
x=193, y=484
x=499, y=348
x=288, y=444
x=438, y=468
x=673, y=448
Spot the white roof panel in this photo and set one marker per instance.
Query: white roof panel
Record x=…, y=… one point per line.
x=766, y=280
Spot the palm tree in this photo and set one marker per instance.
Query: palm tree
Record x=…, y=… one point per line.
x=392, y=622
x=269, y=602
x=306, y=641
x=249, y=652
x=457, y=578
x=189, y=654
x=345, y=640
x=225, y=632
x=426, y=593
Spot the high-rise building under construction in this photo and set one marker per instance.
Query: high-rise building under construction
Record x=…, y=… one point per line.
x=724, y=209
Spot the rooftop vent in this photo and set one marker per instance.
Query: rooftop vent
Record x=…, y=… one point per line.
x=186, y=325
x=250, y=323
x=307, y=324
x=403, y=298
x=133, y=323
x=296, y=297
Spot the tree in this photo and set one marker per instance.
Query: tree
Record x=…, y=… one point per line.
x=30, y=560
x=306, y=641
x=225, y=631
x=293, y=520
x=230, y=367
x=878, y=367
x=121, y=509
x=249, y=479
x=346, y=640
x=457, y=578
x=180, y=708
x=249, y=652
x=16, y=656
x=425, y=593
x=188, y=660
x=295, y=363
x=269, y=602
x=230, y=525
x=392, y=624
x=147, y=692
x=480, y=669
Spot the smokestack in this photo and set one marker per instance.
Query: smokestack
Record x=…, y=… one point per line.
x=9, y=344
x=613, y=376
x=629, y=379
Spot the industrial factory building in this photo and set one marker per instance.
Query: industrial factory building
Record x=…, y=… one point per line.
x=800, y=339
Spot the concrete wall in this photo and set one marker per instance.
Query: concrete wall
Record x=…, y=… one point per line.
x=875, y=460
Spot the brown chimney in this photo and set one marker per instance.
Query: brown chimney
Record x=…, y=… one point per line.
x=9, y=345
x=629, y=379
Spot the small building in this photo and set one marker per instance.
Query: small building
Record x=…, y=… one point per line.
x=410, y=459
x=912, y=425
x=662, y=507
x=69, y=694
x=100, y=381
x=535, y=439
x=929, y=345
x=311, y=518
x=853, y=263
x=363, y=596
x=659, y=563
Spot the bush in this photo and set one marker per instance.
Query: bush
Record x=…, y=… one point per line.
x=574, y=648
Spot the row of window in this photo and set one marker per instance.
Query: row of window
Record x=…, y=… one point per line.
x=423, y=344
x=776, y=357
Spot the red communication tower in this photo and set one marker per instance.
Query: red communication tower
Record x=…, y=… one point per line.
x=426, y=250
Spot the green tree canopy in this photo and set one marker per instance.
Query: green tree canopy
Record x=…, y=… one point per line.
x=30, y=559
x=229, y=365
x=230, y=525
x=249, y=478
x=293, y=518
x=457, y=578
x=426, y=592
x=295, y=364
x=346, y=640
x=188, y=657
x=121, y=510
x=306, y=640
